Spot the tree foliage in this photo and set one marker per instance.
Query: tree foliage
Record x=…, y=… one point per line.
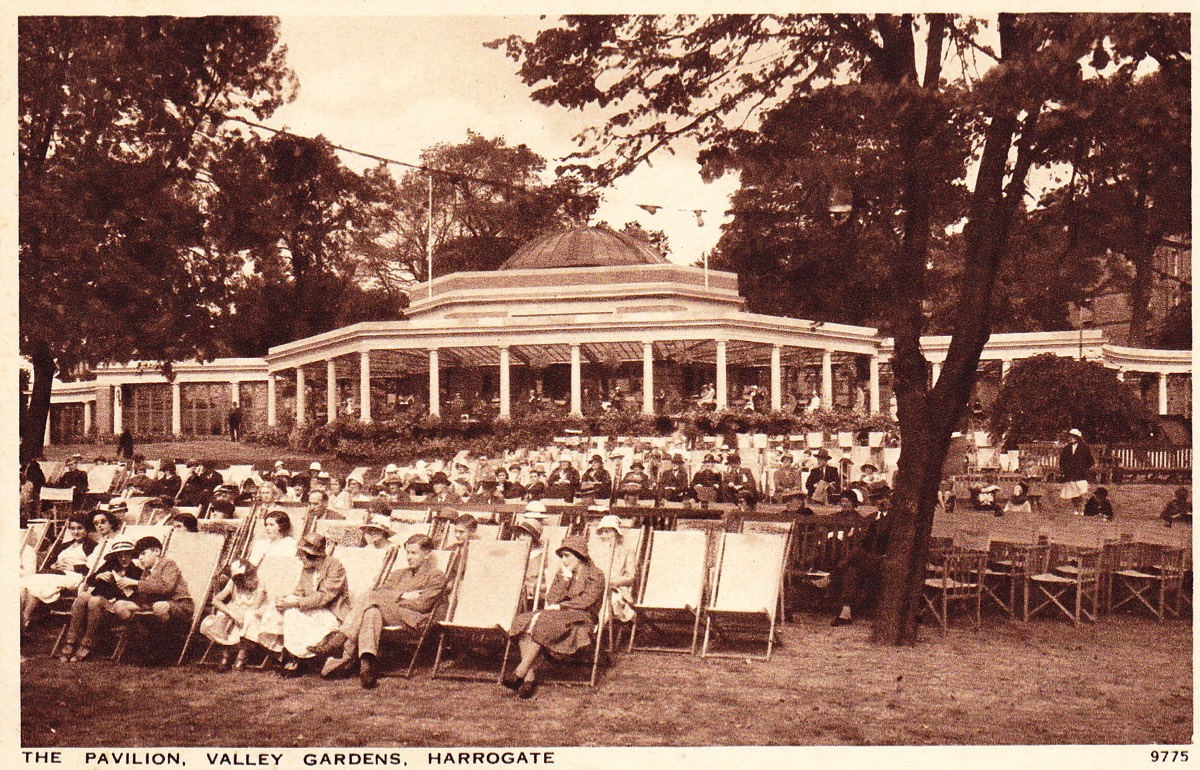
x=1045, y=396
x=894, y=109
x=117, y=132
x=488, y=200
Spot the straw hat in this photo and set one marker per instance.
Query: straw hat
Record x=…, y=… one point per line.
x=380, y=523
x=120, y=546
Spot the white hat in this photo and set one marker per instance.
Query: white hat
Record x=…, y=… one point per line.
x=609, y=521
x=598, y=505
x=390, y=469
x=323, y=475
x=314, y=466
x=279, y=463
x=535, y=509
x=1075, y=432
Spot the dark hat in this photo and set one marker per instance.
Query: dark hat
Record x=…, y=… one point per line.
x=576, y=545
x=313, y=544
x=677, y=459
x=596, y=459
x=146, y=543
x=733, y=459
x=637, y=464
x=822, y=454
x=439, y=478
x=709, y=459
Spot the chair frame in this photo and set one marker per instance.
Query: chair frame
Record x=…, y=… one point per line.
x=1152, y=577
x=734, y=621
x=958, y=578
x=1074, y=570
x=645, y=614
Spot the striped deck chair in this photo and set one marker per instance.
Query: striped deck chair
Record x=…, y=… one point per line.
x=485, y=600
x=746, y=591
x=673, y=590
x=198, y=555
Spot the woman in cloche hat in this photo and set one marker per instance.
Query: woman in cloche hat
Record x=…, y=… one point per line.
x=566, y=622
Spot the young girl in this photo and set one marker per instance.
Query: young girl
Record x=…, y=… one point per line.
x=236, y=606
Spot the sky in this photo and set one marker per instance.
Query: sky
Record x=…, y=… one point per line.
x=396, y=85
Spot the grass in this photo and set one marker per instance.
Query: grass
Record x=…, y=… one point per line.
x=1125, y=680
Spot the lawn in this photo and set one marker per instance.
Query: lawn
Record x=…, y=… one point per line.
x=1125, y=680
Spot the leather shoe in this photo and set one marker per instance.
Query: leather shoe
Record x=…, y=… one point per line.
x=840, y=621
x=333, y=642
x=513, y=682
x=290, y=670
x=527, y=689
x=366, y=671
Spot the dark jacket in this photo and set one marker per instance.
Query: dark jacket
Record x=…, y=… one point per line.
x=1074, y=465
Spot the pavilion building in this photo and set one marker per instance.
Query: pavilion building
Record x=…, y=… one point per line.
x=572, y=318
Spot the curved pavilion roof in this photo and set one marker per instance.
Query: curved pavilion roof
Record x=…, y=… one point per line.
x=584, y=247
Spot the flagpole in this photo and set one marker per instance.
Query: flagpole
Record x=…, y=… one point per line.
x=706, y=271
x=429, y=239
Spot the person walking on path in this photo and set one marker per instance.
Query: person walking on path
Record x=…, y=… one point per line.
x=1074, y=462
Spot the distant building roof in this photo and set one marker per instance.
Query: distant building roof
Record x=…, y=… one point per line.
x=584, y=247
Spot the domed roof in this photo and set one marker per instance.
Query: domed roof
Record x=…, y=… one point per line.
x=584, y=247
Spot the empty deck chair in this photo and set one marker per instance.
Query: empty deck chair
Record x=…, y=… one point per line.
x=673, y=590
x=747, y=588
x=198, y=555
x=485, y=600
x=1067, y=578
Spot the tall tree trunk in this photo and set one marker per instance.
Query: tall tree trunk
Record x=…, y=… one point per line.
x=928, y=416
x=33, y=429
x=1140, y=291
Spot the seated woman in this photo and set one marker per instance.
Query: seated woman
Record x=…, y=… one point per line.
x=618, y=563
x=317, y=606
x=1019, y=502
x=564, y=626
x=377, y=531
x=69, y=562
x=105, y=524
x=276, y=537
x=237, y=606
x=115, y=579
x=635, y=485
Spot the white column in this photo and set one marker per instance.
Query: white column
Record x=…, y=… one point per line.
x=827, y=379
x=722, y=375
x=873, y=383
x=576, y=382
x=935, y=369
x=1005, y=365
x=364, y=386
x=235, y=392
x=435, y=384
x=87, y=417
x=46, y=437
x=331, y=394
x=118, y=410
x=647, y=378
x=505, y=383
x=272, y=417
x=301, y=397
x=1162, y=393
x=776, y=377
x=176, y=409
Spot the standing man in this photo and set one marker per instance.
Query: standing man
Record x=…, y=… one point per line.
x=1074, y=462
x=235, y=422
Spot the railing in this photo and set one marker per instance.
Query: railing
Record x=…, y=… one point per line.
x=1114, y=462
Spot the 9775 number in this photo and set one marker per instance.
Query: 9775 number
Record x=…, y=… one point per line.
x=1168, y=756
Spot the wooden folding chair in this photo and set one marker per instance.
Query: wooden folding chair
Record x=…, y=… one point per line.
x=1065, y=577
x=1150, y=576
x=747, y=588
x=673, y=591
x=489, y=590
x=198, y=555
x=956, y=578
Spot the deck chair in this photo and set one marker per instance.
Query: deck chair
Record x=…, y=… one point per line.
x=163, y=532
x=1004, y=574
x=364, y=567
x=62, y=501
x=485, y=599
x=278, y=574
x=198, y=555
x=100, y=478
x=403, y=633
x=746, y=590
x=956, y=580
x=403, y=532
x=62, y=608
x=33, y=538
x=673, y=591
x=411, y=515
x=1065, y=577
x=1149, y=576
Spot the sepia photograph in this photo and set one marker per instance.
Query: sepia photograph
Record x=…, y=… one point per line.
x=457, y=389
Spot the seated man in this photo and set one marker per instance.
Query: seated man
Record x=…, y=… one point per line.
x=464, y=528
x=863, y=563
x=673, y=482
x=1178, y=508
x=161, y=588
x=407, y=598
x=706, y=484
